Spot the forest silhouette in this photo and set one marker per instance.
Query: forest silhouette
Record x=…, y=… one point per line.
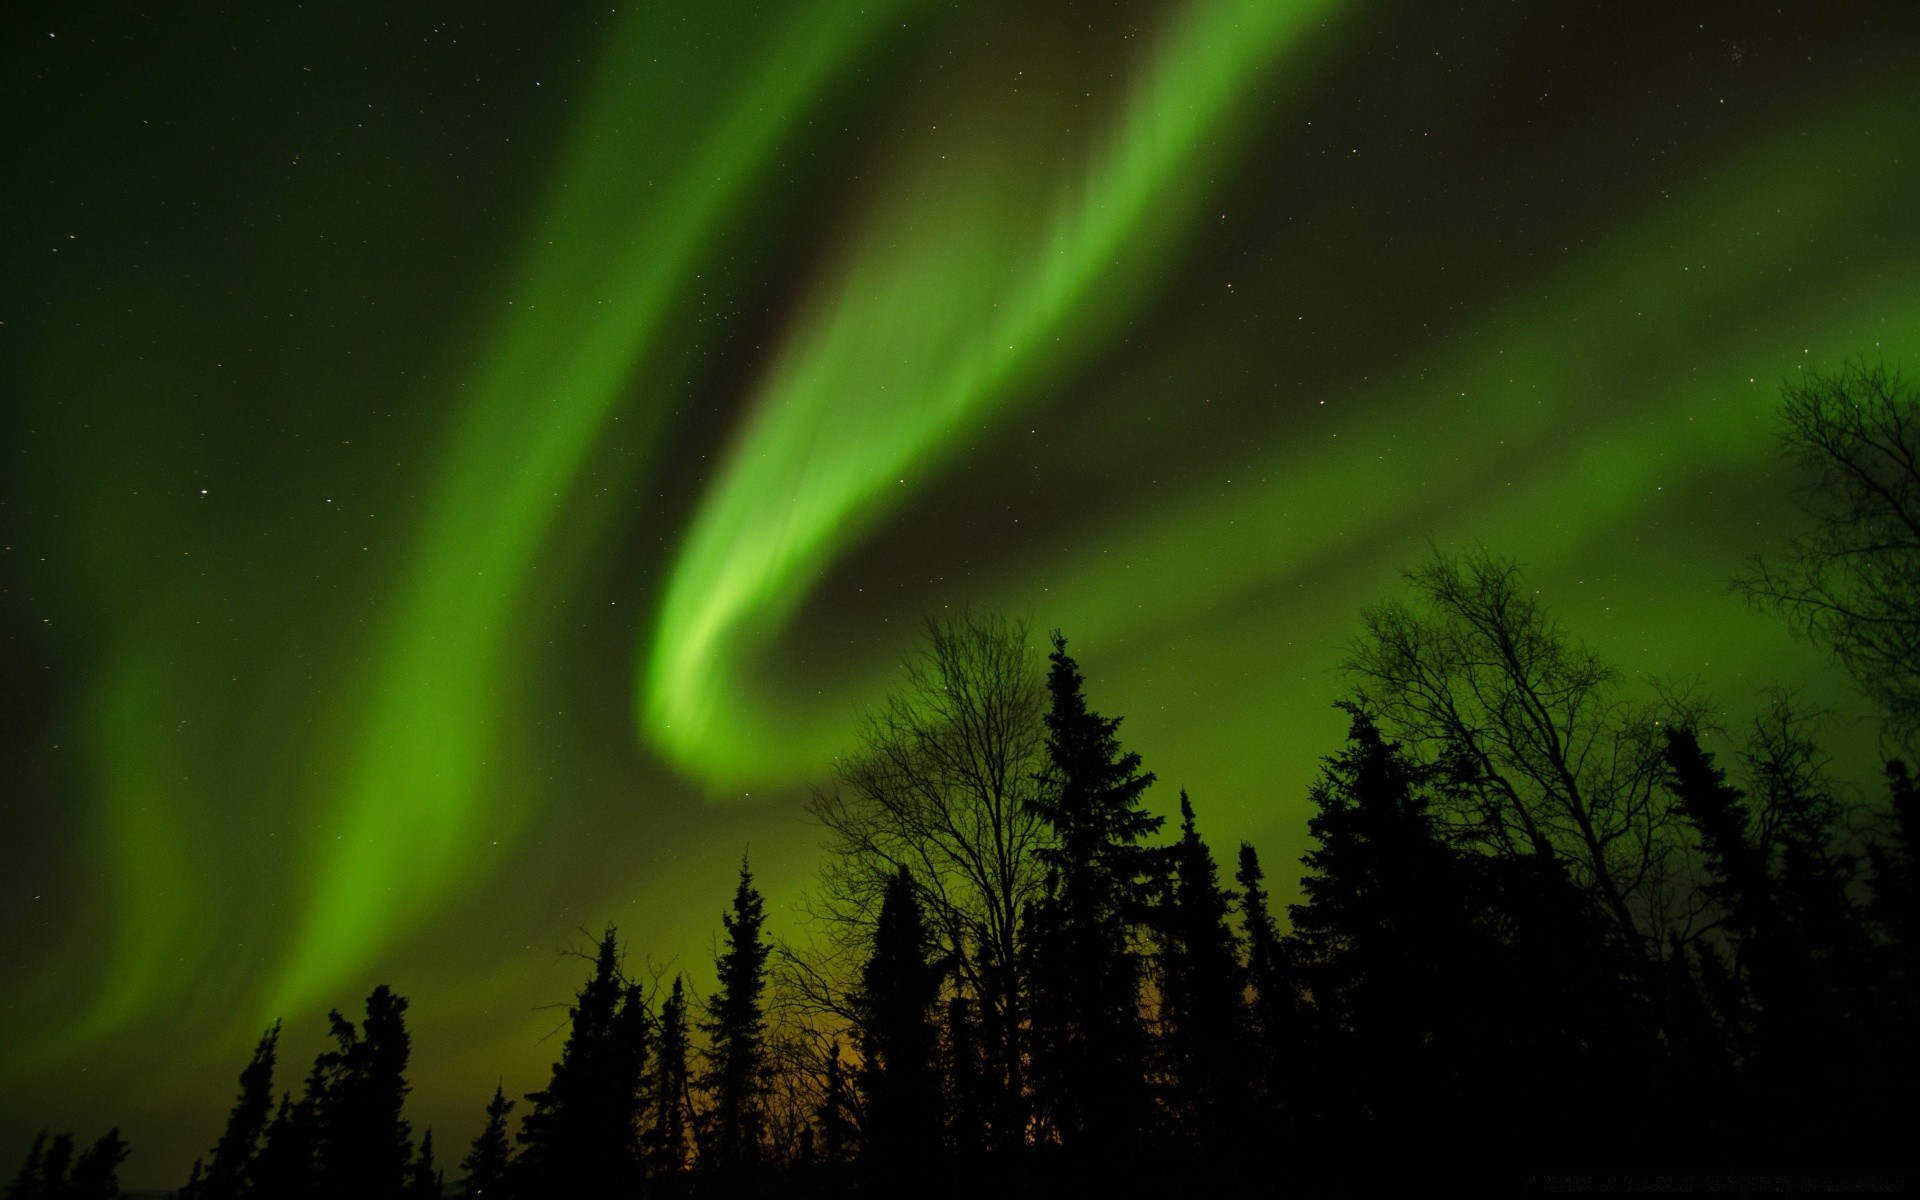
x=1545, y=937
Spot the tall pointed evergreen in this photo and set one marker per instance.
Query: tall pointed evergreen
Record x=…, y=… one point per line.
x=833, y=1112
x=667, y=1139
x=1895, y=910
x=229, y=1172
x=1896, y=875
x=487, y=1163
x=965, y=1084
x=96, y=1172
x=1272, y=1013
x=580, y=1136
x=362, y=1143
x=1200, y=992
x=33, y=1182
x=424, y=1179
x=736, y=1032
x=899, y=1076
x=1089, y=1040
x=1792, y=996
x=285, y=1167
x=1386, y=942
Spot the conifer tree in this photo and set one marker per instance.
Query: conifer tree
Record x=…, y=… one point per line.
x=965, y=1105
x=736, y=1031
x=96, y=1172
x=424, y=1179
x=1896, y=872
x=1089, y=1051
x=362, y=1144
x=580, y=1135
x=1201, y=991
x=1895, y=910
x=285, y=1167
x=32, y=1182
x=487, y=1163
x=833, y=1111
x=898, y=1042
x=667, y=1141
x=1385, y=939
x=1795, y=995
x=1272, y=1002
x=230, y=1170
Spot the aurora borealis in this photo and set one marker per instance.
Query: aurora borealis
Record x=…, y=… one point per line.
x=468, y=469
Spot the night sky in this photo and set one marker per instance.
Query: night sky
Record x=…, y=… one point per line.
x=468, y=465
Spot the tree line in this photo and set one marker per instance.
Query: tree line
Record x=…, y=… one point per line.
x=1550, y=921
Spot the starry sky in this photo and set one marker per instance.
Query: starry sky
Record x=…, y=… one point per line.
x=467, y=468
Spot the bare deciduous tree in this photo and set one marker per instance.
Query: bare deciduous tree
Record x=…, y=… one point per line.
x=944, y=786
x=1544, y=753
x=1851, y=582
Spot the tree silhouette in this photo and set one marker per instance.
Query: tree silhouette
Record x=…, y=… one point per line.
x=965, y=1104
x=1089, y=1051
x=898, y=1041
x=579, y=1135
x=347, y=1137
x=1201, y=990
x=1851, y=582
x=285, y=1166
x=1384, y=936
x=1272, y=1015
x=230, y=1171
x=736, y=1032
x=96, y=1172
x=52, y=1171
x=1792, y=992
x=1895, y=911
x=487, y=1164
x=1542, y=754
x=45, y=1171
x=424, y=1180
x=835, y=1129
x=945, y=784
x=667, y=1140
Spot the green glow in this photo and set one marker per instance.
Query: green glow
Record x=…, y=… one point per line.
x=976, y=285
x=623, y=233
x=1513, y=473
x=889, y=372
x=816, y=297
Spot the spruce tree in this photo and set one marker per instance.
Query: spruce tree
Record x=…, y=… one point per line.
x=1089, y=1039
x=54, y=1167
x=362, y=1143
x=424, y=1179
x=31, y=1182
x=1386, y=942
x=736, y=1031
x=487, y=1162
x=1200, y=992
x=285, y=1166
x=965, y=1087
x=580, y=1134
x=230, y=1170
x=1895, y=911
x=1895, y=878
x=833, y=1111
x=898, y=1042
x=1272, y=1013
x=667, y=1140
x=1793, y=998
x=96, y=1173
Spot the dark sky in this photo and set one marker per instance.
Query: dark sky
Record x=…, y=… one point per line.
x=467, y=467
